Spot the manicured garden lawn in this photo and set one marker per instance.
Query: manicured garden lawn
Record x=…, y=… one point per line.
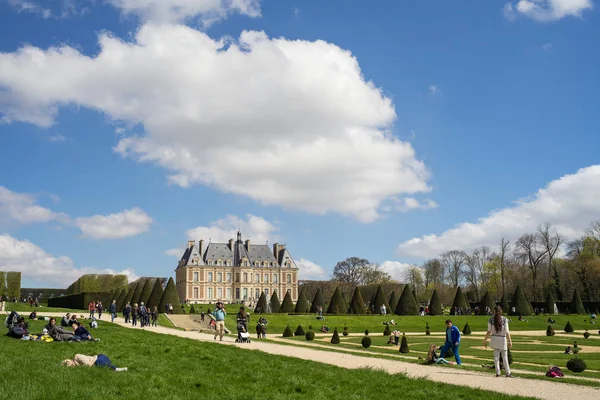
x=167, y=367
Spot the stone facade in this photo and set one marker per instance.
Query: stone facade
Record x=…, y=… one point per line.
x=235, y=271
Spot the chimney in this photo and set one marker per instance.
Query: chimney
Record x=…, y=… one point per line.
x=191, y=243
x=276, y=251
x=201, y=247
x=231, y=244
x=247, y=244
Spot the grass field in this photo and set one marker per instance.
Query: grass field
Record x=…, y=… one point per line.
x=166, y=367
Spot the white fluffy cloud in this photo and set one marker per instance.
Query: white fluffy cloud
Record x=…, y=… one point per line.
x=115, y=226
x=547, y=10
x=309, y=270
x=290, y=123
x=21, y=208
x=207, y=11
x=257, y=229
x=407, y=204
x=569, y=203
x=41, y=268
x=396, y=269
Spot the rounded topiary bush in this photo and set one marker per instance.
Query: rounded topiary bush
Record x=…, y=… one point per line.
x=386, y=331
x=404, y=344
x=299, y=331
x=345, y=332
x=288, y=332
x=366, y=342
x=310, y=335
x=568, y=327
x=335, y=339
x=576, y=365
x=310, y=328
x=467, y=329
x=550, y=331
x=427, y=331
x=366, y=332
x=586, y=334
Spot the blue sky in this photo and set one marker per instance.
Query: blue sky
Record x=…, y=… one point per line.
x=393, y=133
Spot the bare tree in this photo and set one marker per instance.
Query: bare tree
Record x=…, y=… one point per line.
x=550, y=241
x=475, y=273
x=374, y=274
x=504, y=249
x=414, y=276
x=532, y=252
x=594, y=232
x=433, y=272
x=453, y=262
x=351, y=270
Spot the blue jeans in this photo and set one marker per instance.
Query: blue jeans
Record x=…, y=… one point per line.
x=104, y=361
x=82, y=338
x=454, y=348
x=112, y=317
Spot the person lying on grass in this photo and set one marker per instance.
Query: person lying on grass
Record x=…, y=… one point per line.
x=101, y=360
x=57, y=333
x=432, y=357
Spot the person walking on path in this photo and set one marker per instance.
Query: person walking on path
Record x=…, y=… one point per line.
x=219, y=315
x=452, y=341
x=91, y=309
x=99, y=308
x=501, y=340
x=127, y=312
x=113, y=311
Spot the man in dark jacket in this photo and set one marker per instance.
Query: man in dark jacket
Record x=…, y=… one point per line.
x=81, y=333
x=452, y=341
x=113, y=311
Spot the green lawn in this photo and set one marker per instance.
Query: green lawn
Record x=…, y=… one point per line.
x=167, y=367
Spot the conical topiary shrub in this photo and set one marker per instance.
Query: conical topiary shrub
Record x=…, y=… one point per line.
x=366, y=342
x=586, y=334
x=318, y=301
x=147, y=291
x=138, y=291
x=427, y=331
x=129, y=296
x=345, y=331
x=156, y=295
x=404, y=344
x=504, y=304
x=261, y=305
x=459, y=301
x=487, y=301
x=393, y=301
x=435, y=304
x=407, y=304
x=170, y=296
x=192, y=310
x=576, y=304
x=121, y=298
x=386, y=331
x=550, y=331
x=310, y=328
x=288, y=332
x=568, y=327
x=335, y=339
x=288, y=305
x=379, y=300
x=520, y=302
x=550, y=302
x=299, y=331
x=275, y=305
x=302, y=306
x=467, y=329
x=357, y=304
x=310, y=335
x=337, y=305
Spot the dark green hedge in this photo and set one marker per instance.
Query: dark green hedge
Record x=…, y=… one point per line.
x=97, y=283
x=80, y=301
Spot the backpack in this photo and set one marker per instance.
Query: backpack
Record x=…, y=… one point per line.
x=17, y=332
x=555, y=372
x=11, y=320
x=94, y=324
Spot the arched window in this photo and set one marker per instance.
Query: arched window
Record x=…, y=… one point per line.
x=219, y=263
x=265, y=264
x=256, y=264
x=229, y=263
x=245, y=264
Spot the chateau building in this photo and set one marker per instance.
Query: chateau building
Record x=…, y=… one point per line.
x=235, y=271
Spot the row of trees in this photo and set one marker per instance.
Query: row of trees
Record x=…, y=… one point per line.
x=150, y=292
x=541, y=262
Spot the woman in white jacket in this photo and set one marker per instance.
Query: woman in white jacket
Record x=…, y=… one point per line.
x=501, y=340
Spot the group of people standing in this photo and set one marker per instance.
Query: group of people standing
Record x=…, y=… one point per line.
x=95, y=306
x=140, y=313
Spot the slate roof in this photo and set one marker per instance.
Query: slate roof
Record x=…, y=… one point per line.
x=260, y=253
x=194, y=254
x=217, y=251
x=284, y=255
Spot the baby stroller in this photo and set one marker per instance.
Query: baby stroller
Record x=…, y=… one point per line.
x=243, y=335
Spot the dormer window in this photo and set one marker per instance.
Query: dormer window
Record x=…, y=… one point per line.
x=210, y=262
x=245, y=263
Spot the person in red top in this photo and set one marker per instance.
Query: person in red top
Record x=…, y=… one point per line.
x=92, y=309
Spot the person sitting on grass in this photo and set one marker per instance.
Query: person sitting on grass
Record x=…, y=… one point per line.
x=73, y=320
x=57, y=333
x=432, y=357
x=19, y=330
x=568, y=350
x=324, y=329
x=33, y=315
x=100, y=360
x=65, y=320
x=551, y=321
x=81, y=333
x=522, y=319
x=391, y=340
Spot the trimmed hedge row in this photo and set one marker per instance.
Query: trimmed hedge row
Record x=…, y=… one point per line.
x=10, y=284
x=81, y=300
x=98, y=283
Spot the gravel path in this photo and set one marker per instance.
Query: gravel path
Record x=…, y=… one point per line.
x=454, y=375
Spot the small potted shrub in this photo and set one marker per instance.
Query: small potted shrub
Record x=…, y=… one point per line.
x=586, y=334
x=299, y=331
x=366, y=342
x=366, y=332
x=288, y=332
x=345, y=332
x=550, y=331
x=310, y=335
x=427, y=331
x=575, y=364
x=386, y=331
x=568, y=327
x=404, y=344
x=467, y=329
x=335, y=339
